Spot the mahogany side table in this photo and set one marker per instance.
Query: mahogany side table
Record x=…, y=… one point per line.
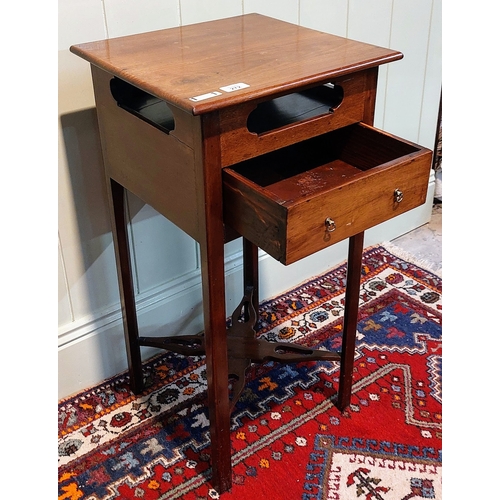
x=248, y=126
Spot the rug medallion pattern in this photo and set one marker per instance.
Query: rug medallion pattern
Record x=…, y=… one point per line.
x=289, y=440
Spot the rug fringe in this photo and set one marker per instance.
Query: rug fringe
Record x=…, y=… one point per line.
x=403, y=254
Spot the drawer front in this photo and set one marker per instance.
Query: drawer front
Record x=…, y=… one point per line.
x=277, y=127
x=300, y=225
x=360, y=205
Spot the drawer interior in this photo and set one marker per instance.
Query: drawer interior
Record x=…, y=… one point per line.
x=322, y=163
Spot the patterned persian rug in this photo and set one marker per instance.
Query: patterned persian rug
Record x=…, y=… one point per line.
x=289, y=440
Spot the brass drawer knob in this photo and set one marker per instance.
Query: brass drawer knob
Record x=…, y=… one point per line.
x=330, y=224
x=398, y=196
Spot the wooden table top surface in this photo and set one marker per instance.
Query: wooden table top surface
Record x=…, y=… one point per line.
x=207, y=66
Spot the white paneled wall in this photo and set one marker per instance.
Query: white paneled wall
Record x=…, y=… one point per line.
x=286, y=10
x=329, y=16
x=194, y=11
x=166, y=261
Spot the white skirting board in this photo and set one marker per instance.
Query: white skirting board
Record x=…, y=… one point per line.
x=94, y=350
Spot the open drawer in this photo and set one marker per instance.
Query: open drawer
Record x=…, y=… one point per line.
x=305, y=197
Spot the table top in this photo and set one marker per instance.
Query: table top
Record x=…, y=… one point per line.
x=208, y=66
